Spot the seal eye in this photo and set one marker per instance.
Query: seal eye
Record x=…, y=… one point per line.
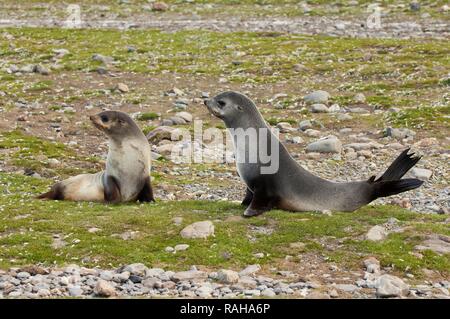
x=221, y=103
x=104, y=118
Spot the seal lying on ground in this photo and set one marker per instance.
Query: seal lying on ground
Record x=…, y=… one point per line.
x=127, y=174
x=291, y=187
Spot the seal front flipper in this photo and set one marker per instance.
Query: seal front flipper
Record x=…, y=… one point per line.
x=248, y=198
x=146, y=194
x=55, y=193
x=111, y=189
x=260, y=203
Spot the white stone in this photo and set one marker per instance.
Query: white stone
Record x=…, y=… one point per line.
x=202, y=229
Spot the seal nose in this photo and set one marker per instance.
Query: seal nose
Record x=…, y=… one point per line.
x=91, y=118
x=206, y=102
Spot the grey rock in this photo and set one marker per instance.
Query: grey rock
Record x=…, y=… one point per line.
x=188, y=275
x=104, y=289
x=136, y=269
x=319, y=96
x=438, y=243
x=421, y=173
x=250, y=270
x=329, y=144
x=202, y=229
x=319, y=108
x=304, y=125
x=227, y=276
x=377, y=233
x=391, y=286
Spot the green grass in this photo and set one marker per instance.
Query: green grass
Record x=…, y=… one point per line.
x=28, y=226
x=148, y=116
x=423, y=117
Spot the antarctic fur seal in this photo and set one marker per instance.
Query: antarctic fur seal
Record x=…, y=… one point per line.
x=127, y=174
x=292, y=187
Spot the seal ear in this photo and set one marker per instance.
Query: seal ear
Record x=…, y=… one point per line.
x=240, y=108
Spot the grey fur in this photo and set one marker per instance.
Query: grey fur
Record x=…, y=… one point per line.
x=292, y=188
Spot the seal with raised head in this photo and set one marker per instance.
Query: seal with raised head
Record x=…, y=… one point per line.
x=291, y=187
x=127, y=174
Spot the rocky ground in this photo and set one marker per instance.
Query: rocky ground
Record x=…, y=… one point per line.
x=345, y=108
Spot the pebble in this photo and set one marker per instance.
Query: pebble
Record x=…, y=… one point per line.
x=319, y=108
x=377, y=233
x=104, y=289
x=202, y=229
x=250, y=270
x=319, y=96
x=329, y=144
x=391, y=286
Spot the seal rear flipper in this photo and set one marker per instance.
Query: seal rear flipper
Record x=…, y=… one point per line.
x=55, y=193
x=399, y=167
x=111, y=190
x=388, y=188
x=146, y=194
x=248, y=198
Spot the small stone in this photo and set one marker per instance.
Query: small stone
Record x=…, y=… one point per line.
x=304, y=125
x=227, y=276
x=181, y=247
x=319, y=108
x=268, y=293
x=259, y=255
x=329, y=144
x=250, y=270
x=169, y=249
x=359, y=98
x=160, y=6
x=41, y=70
x=189, y=275
x=285, y=127
x=185, y=116
x=421, y=173
x=319, y=96
x=23, y=275
x=202, y=229
x=177, y=220
x=334, y=108
x=104, y=289
x=122, y=87
x=414, y=6
x=75, y=291
x=376, y=233
x=103, y=59
x=399, y=133
x=93, y=230
x=391, y=286
x=136, y=269
x=372, y=265
x=440, y=244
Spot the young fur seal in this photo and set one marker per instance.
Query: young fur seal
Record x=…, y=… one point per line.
x=291, y=187
x=127, y=174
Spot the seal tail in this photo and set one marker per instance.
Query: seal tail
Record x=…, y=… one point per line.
x=390, y=183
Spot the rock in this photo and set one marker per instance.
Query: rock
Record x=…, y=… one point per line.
x=181, y=247
x=312, y=133
x=41, y=70
x=185, y=116
x=160, y=133
x=268, y=292
x=151, y=282
x=391, y=286
x=359, y=98
x=285, y=127
x=93, y=230
x=364, y=146
x=329, y=144
x=30, y=68
x=202, y=229
x=75, y=291
x=438, y=243
x=53, y=162
x=188, y=275
x=23, y=275
x=175, y=92
x=177, y=220
x=399, y=133
x=137, y=269
x=319, y=108
x=317, y=295
x=376, y=233
x=103, y=59
x=122, y=87
x=104, y=289
x=165, y=149
x=414, y=6
x=317, y=97
x=346, y=287
x=334, y=108
x=169, y=249
x=160, y=6
x=259, y=255
x=60, y=52
x=227, y=276
x=250, y=270
x=344, y=117
x=421, y=173
x=176, y=120
x=372, y=265
x=304, y=125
